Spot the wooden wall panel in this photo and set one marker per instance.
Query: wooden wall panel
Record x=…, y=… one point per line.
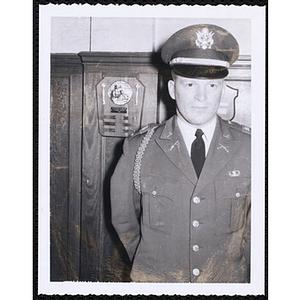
x=65, y=160
x=59, y=176
x=91, y=184
x=150, y=102
x=74, y=209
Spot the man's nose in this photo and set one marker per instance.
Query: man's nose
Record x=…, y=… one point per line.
x=201, y=94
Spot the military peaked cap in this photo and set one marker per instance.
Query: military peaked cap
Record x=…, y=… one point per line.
x=202, y=50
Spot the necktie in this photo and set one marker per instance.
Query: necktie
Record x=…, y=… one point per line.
x=198, y=152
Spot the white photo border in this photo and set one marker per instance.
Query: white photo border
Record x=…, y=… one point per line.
x=258, y=55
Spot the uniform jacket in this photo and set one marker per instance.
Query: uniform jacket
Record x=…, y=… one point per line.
x=181, y=228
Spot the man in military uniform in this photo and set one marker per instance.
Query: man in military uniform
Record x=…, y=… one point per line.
x=181, y=191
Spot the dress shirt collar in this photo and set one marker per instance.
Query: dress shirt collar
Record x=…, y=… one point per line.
x=188, y=132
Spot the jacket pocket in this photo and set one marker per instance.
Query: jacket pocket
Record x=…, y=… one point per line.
x=230, y=204
x=158, y=207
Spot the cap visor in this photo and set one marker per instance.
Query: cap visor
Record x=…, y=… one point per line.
x=196, y=71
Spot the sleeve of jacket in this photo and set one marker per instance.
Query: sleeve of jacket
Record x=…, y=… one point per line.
x=125, y=200
x=247, y=233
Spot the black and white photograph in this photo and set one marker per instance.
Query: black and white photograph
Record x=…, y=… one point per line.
x=152, y=150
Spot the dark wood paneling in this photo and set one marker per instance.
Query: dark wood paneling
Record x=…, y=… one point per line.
x=59, y=176
x=65, y=160
x=74, y=222
x=120, y=58
x=149, y=112
x=91, y=184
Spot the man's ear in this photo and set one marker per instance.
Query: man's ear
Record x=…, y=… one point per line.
x=171, y=88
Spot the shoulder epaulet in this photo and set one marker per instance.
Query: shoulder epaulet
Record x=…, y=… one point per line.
x=142, y=130
x=240, y=127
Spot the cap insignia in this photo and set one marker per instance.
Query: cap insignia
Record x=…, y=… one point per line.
x=204, y=38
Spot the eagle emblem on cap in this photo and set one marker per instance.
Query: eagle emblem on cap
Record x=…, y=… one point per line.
x=204, y=38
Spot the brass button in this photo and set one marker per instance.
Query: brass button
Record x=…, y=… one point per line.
x=195, y=248
x=196, y=200
x=195, y=223
x=238, y=195
x=154, y=193
x=196, y=272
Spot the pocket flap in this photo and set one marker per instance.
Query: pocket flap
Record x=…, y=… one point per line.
x=162, y=191
x=232, y=188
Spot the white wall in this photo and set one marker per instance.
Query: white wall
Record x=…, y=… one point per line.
x=72, y=35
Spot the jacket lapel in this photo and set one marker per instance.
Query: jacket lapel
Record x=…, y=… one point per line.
x=221, y=150
x=172, y=143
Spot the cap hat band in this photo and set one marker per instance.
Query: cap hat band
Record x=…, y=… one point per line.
x=199, y=61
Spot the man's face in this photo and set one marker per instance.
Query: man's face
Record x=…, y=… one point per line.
x=197, y=99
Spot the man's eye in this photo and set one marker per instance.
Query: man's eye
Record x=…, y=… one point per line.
x=212, y=85
x=190, y=84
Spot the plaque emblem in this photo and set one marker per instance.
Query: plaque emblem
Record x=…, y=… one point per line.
x=204, y=38
x=120, y=92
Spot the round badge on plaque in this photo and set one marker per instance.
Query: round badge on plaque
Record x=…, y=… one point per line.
x=120, y=92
